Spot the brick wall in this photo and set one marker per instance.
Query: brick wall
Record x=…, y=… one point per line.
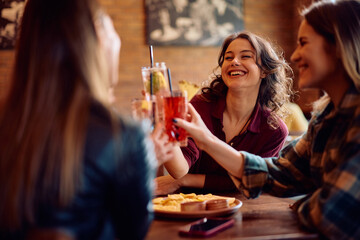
x=273, y=18
x=6, y=61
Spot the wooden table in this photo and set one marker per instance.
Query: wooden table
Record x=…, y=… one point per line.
x=266, y=217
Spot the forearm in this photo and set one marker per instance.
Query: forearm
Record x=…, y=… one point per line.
x=192, y=180
x=226, y=156
x=229, y=158
x=178, y=166
x=167, y=184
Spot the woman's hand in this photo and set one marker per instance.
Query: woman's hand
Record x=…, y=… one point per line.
x=166, y=185
x=196, y=128
x=229, y=158
x=164, y=150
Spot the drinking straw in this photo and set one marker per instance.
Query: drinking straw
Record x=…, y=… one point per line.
x=169, y=76
x=152, y=65
x=151, y=56
x=151, y=86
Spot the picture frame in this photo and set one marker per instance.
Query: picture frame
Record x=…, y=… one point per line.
x=192, y=22
x=10, y=15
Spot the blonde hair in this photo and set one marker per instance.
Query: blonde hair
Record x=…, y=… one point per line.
x=59, y=72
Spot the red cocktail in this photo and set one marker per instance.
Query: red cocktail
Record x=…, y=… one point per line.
x=175, y=107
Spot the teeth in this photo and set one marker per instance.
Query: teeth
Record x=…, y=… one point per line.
x=237, y=73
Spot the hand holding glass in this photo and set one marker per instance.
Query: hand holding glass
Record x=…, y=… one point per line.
x=142, y=109
x=175, y=106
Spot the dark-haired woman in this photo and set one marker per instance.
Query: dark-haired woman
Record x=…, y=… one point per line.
x=242, y=106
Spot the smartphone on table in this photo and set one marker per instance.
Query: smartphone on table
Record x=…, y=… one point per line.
x=206, y=227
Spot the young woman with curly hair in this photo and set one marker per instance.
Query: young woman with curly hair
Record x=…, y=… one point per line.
x=242, y=106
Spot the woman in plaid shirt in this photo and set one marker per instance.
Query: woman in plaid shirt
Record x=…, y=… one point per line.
x=324, y=164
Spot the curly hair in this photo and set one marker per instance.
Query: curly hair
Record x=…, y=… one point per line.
x=275, y=89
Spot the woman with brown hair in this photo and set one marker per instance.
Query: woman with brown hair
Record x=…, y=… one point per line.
x=67, y=161
x=242, y=107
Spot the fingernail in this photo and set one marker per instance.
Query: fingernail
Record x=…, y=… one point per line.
x=174, y=120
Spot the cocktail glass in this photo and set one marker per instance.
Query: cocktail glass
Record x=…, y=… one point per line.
x=142, y=110
x=160, y=80
x=175, y=106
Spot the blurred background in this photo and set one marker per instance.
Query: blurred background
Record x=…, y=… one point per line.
x=276, y=20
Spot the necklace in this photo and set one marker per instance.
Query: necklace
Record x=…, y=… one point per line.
x=245, y=125
x=243, y=130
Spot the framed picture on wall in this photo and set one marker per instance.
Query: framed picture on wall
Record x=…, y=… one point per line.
x=192, y=22
x=10, y=15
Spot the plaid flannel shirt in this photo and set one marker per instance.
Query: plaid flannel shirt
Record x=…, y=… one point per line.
x=324, y=164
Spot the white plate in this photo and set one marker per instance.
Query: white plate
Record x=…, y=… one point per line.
x=200, y=214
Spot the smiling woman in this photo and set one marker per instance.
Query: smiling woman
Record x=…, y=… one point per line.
x=242, y=107
x=322, y=167
x=240, y=71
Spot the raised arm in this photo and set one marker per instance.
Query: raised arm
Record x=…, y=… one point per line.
x=225, y=155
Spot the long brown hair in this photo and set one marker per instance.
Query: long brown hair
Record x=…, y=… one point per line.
x=339, y=23
x=59, y=71
x=275, y=89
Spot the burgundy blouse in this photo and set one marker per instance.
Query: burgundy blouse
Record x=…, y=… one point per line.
x=259, y=139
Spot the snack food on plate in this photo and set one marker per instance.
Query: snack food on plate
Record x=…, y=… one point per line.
x=173, y=201
x=192, y=206
x=215, y=204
